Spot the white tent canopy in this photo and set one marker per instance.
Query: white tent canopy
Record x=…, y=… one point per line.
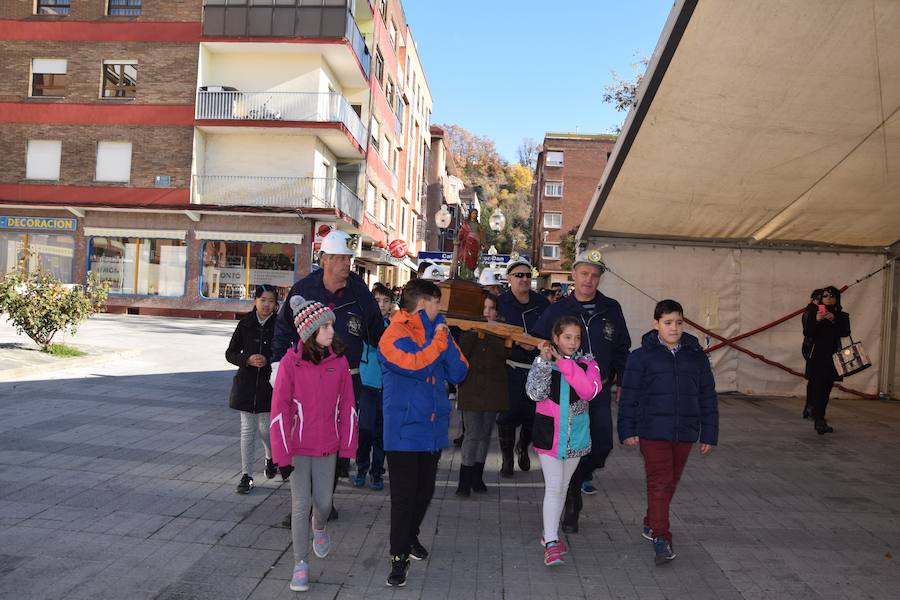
x=769, y=132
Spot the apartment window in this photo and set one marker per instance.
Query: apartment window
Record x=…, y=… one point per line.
x=43, y=160
x=52, y=7
x=389, y=92
x=392, y=33
x=147, y=267
x=373, y=131
x=113, y=162
x=550, y=251
x=379, y=66
x=124, y=8
x=403, y=210
x=552, y=220
x=370, y=199
x=553, y=189
x=382, y=9
x=48, y=77
x=119, y=78
x=383, y=212
x=386, y=150
x=555, y=158
x=232, y=270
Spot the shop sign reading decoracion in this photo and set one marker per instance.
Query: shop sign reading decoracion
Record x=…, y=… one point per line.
x=38, y=223
x=321, y=230
x=398, y=249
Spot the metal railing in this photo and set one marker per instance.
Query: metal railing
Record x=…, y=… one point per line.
x=277, y=192
x=329, y=107
x=358, y=43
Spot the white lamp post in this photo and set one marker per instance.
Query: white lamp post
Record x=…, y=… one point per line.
x=497, y=221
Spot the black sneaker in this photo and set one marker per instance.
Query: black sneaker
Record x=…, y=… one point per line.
x=286, y=522
x=333, y=515
x=271, y=469
x=399, y=568
x=244, y=486
x=417, y=551
x=663, y=550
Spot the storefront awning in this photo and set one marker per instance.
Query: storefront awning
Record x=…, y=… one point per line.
x=243, y=236
x=165, y=234
x=760, y=122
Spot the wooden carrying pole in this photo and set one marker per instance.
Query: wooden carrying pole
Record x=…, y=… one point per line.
x=510, y=333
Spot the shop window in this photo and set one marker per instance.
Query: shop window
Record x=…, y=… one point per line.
x=119, y=79
x=232, y=270
x=52, y=7
x=50, y=253
x=124, y=8
x=42, y=160
x=48, y=77
x=140, y=266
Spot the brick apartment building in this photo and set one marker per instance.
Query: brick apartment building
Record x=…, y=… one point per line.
x=566, y=175
x=188, y=150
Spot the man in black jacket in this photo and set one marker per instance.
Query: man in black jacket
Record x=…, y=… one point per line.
x=606, y=338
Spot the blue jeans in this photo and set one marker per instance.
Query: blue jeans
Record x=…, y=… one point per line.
x=370, y=451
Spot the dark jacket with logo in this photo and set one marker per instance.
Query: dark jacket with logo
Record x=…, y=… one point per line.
x=357, y=316
x=666, y=396
x=604, y=335
x=522, y=315
x=250, y=389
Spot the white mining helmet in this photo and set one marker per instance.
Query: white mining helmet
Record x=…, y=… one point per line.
x=337, y=242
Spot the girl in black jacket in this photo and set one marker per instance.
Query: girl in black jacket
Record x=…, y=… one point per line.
x=825, y=324
x=251, y=350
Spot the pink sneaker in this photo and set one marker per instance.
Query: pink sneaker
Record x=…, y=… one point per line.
x=562, y=546
x=553, y=555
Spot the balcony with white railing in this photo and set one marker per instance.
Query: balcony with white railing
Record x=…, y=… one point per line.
x=329, y=107
x=277, y=192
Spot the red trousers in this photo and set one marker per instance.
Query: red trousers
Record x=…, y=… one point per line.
x=663, y=463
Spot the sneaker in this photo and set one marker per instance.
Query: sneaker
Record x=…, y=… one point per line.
x=417, y=551
x=376, y=484
x=286, y=522
x=647, y=533
x=552, y=554
x=321, y=542
x=358, y=480
x=399, y=568
x=244, y=486
x=663, y=550
x=300, y=580
x=587, y=487
x=271, y=469
x=333, y=515
x=562, y=546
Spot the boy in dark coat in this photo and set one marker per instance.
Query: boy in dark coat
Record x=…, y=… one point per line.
x=668, y=402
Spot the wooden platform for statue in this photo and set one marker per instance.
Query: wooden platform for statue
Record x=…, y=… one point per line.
x=462, y=299
x=510, y=333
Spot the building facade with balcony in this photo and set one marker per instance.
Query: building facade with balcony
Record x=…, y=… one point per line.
x=401, y=106
x=189, y=160
x=568, y=168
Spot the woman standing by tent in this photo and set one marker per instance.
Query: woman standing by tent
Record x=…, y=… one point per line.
x=825, y=324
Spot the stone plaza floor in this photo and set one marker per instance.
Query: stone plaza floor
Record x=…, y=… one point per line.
x=117, y=480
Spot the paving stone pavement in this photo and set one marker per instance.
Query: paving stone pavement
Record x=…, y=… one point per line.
x=117, y=481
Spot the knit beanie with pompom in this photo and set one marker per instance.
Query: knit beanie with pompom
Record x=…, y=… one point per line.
x=309, y=315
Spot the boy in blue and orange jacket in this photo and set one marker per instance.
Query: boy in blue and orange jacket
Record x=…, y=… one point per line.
x=418, y=358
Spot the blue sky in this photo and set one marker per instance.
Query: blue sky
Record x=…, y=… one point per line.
x=510, y=69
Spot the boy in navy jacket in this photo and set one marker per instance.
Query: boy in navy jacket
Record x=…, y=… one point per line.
x=668, y=402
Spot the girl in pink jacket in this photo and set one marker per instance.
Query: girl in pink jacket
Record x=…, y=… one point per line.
x=313, y=422
x=562, y=382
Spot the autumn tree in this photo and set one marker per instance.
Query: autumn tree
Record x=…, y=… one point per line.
x=498, y=185
x=622, y=93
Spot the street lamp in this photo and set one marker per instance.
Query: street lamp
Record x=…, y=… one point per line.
x=497, y=220
x=443, y=217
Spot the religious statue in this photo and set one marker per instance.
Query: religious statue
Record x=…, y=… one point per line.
x=469, y=246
